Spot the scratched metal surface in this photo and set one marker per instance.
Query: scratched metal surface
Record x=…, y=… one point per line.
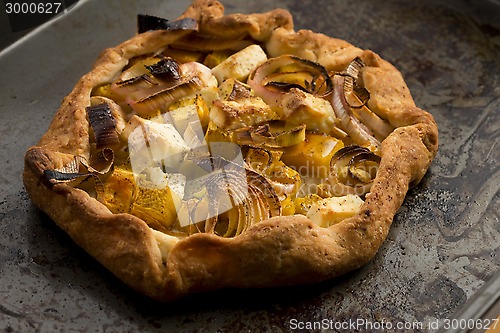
x=444, y=243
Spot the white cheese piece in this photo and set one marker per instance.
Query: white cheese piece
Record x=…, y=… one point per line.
x=240, y=64
x=165, y=243
x=249, y=111
x=177, y=183
x=152, y=143
x=152, y=177
x=182, y=116
x=332, y=210
x=316, y=113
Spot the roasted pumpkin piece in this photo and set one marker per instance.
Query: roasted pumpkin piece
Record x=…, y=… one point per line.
x=216, y=134
x=106, y=91
x=119, y=190
x=303, y=204
x=183, y=56
x=216, y=57
x=287, y=206
x=312, y=156
x=157, y=207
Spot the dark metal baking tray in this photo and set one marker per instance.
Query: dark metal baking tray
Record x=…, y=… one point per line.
x=481, y=312
x=444, y=243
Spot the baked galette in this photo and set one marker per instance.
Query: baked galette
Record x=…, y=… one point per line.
x=219, y=151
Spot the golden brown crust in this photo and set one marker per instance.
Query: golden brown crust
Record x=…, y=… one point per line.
x=210, y=15
x=278, y=251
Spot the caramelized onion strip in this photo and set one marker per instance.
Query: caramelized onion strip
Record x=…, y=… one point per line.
x=276, y=76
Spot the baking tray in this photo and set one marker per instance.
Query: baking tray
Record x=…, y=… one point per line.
x=444, y=243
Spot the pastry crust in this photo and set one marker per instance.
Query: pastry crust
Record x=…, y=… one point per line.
x=284, y=250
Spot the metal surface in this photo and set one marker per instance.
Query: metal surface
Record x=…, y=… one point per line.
x=444, y=243
x=479, y=306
